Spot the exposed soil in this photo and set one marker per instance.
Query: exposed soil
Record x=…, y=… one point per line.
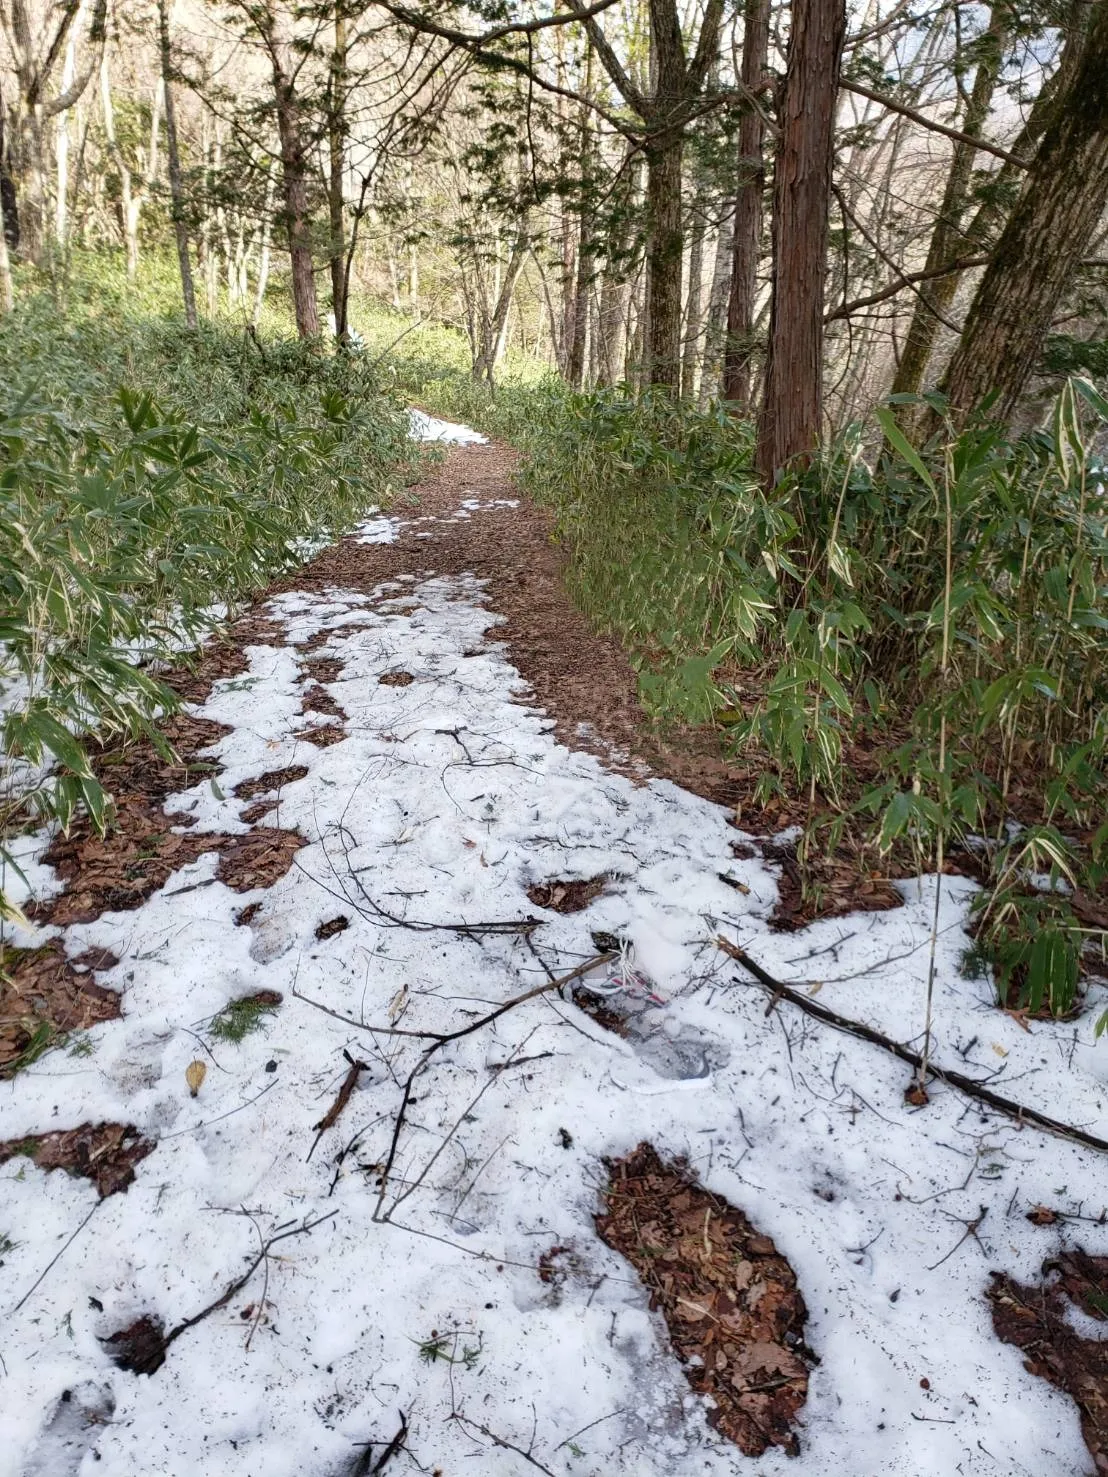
x=105, y=1153
x=272, y=779
x=834, y=887
x=317, y=699
x=322, y=669
x=145, y=846
x=323, y=736
x=1036, y=1320
x=730, y=1300
x=139, y=1348
x=566, y=897
x=396, y=679
x=44, y=995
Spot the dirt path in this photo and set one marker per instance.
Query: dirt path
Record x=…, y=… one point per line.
x=583, y=679
x=289, y=1236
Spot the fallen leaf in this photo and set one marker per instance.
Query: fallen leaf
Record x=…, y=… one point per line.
x=398, y=1004
x=195, y=1073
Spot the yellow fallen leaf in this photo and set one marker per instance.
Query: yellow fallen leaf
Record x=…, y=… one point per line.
x=1000, y=1050
x=195, y=1073
x=398, y=1004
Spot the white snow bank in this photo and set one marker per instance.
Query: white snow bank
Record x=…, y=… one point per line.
x=428, y=428
x=446, y=800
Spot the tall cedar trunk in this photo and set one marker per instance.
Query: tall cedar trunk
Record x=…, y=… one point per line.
x=789, y=424
x=739, y=347
x=1041, y=247
x=948, y=240
x=336, y=138
x=294, y=175
x=176, y=183
x=663, y=263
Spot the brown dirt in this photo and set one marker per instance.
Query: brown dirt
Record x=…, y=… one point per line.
x=43, y=995
x=331, y=926
x=566, y=897
x=258, y=859
x=396, y=679
x=105, y=1153
x=729, y=1299
x=322, y=669
x=323, y=736
x=834, y=887
x=273, y=779
x=317, y=699
x=1035, y=1320
x=144, y=847
x=254, y=813
x=139, y=1348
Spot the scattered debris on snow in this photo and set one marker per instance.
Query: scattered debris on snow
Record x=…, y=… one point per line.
x=424, y=1122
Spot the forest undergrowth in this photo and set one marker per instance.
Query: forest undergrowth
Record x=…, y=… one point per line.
x=908, y=648
x=151, y=480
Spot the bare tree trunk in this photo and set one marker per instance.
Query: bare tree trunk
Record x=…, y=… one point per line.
x=490, y=339
x=739, y=346
x=690, y=356
x=176, y=183
x=264, y=253
x=948, y=241
x=7, y=293
x=294, y=172
x=715, y=325
x=336, y=138
x=61, y=148
x=9, y=206
x=1047, y=235
x=790, y=422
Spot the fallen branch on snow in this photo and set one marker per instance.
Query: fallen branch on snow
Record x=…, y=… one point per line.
x=954, y=1079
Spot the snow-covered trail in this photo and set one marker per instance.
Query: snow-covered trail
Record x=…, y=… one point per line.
x=447, y=798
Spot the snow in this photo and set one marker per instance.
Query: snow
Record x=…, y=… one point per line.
x=428, y=428
x=445, y=801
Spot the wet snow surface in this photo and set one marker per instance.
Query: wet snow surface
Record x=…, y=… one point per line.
x=448, y=798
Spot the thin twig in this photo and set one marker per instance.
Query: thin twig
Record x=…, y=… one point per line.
x=55, y=1259
x=240, y=1282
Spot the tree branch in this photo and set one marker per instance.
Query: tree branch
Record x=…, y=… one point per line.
x=924, y=122
x=855, y=305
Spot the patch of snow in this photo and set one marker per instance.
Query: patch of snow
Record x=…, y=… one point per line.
x=429, y=428
x=445, y=801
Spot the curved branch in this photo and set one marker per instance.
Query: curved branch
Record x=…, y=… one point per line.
x=955, y=133
x=909, y=279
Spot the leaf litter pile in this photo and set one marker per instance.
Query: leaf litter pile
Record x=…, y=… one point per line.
x=730, y=1300
x=1038, y=1321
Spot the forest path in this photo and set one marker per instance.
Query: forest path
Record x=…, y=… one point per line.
x=392, y=836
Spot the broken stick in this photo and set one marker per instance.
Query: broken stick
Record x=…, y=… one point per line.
x=954, y=1079
x=349, y=1082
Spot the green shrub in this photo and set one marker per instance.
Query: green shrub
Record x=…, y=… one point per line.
x=947, y=605
x=132, y=519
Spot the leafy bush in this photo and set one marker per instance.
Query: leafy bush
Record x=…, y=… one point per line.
x=131, y=520
x=945, y=605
